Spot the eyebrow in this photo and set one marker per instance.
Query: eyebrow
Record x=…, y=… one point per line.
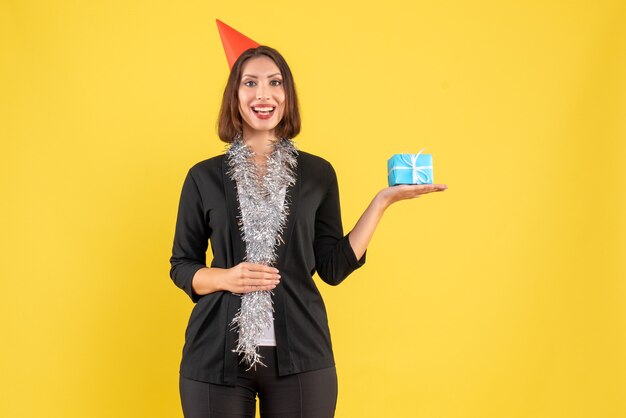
x=253, y=76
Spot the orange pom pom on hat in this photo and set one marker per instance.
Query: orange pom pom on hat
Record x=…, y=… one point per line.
x=234, y=42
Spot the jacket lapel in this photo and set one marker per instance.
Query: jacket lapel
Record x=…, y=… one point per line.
x=293, y=197
x=232, y=208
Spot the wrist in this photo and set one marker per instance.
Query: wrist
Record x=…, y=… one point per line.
x=205, y=281
x=214, y=279
x=218, y=282
x=381, y=201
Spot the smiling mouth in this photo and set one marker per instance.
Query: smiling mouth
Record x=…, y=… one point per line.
x=264, y=110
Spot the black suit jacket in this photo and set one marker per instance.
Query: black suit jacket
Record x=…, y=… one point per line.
x=313, y=241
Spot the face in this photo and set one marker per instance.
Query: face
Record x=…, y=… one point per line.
x=261, y=96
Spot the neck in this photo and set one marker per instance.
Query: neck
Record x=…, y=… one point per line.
x=261, y=142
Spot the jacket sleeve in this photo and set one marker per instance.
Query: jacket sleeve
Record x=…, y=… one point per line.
x=190, y=238
x=334, y=256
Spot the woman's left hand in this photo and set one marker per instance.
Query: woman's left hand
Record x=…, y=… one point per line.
x=394, y=194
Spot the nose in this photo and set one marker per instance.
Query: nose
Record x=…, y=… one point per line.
x=261, y=92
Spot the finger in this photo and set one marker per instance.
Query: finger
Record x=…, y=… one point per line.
x=259, y=282
x=261, y=267
x=429, y=188
x=432, y=186
x=248, y=289
x=259, y=275
x=413, y=189
x=251, y=288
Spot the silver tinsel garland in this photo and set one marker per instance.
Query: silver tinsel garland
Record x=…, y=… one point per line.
x=264, y=208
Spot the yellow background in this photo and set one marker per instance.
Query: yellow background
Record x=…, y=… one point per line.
x=503, y=296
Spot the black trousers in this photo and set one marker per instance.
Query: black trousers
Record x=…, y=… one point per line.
x=303, y=395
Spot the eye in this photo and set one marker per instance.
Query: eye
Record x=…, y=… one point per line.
x=246, y=83
x=276, y=82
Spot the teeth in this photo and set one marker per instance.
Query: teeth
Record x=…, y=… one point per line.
x=263, y=109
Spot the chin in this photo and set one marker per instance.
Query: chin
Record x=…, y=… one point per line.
x=261, y=127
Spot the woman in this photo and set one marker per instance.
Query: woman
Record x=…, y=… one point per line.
x=273, y=218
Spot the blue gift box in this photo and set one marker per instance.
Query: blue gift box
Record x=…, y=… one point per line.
x=410, y=169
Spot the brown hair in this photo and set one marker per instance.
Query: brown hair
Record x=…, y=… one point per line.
x=230, y=124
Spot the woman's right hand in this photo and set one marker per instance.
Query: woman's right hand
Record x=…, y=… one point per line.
x=243, y=278
x=249, y=277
